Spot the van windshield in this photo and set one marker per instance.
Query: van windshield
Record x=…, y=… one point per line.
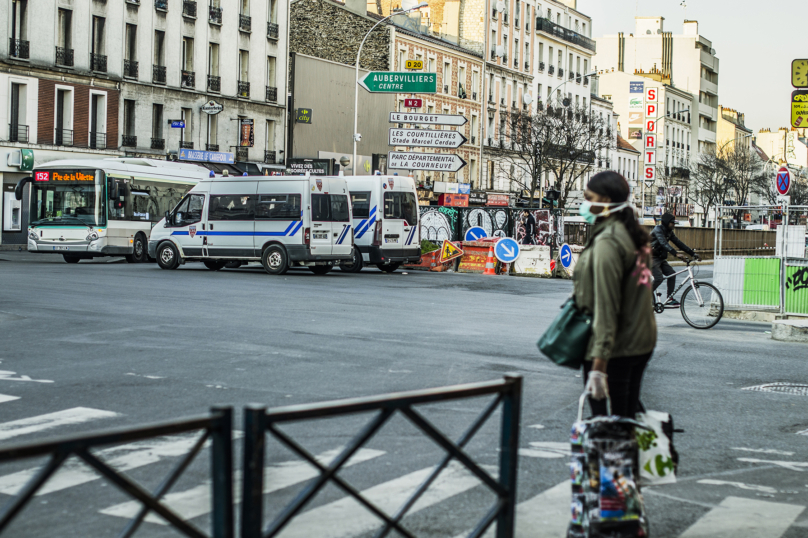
x=401, y=205
x=330, y=208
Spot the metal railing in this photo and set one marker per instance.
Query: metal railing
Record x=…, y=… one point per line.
x=541, y=66
x=214, y=83
x=243, y=89
x=98, y=140
x=17, y=133
x=272, y=30
x=244, y=23
x=242, y=154
x=551, y=69
x=129, y=141
x=186, y=145
x=161, y=5
x=188, y=79
x=211, y=147
x=158, y=74
x=272, y=94
x=63, y=137
x=18, y=48
x=560, y=72
x=217, y=427
x=158, y=143
x=544, y=25
x=258, y=421
x=98, y=62
x=64, y=56
x=270, y=157
x=215, y=15
x=130, y=68
x=189, y=8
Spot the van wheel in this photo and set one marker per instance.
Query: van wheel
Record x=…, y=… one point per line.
x=70, y=258
x=320, y=269
x=275, y=261
x=214, y=265
x=139, y=252
x=355, y=265
x=388, y=267
x=167, y=256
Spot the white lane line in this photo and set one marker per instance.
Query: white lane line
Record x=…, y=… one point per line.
x=792, y=465
x=346, y=517
x=764, y=451
x=76, y=415
x=8, y=375
x=544, y=516
x=196, y=501
x=546, y=449
x=740, y=485
x=745, y=518
x=6, y=398
x=122, y=458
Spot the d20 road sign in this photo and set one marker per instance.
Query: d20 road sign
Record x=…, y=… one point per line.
x=799, y=108
x=395, y=82
x=414, y=64
x=452, y=120
x=506, y=250
x=450, y=251
x=783, y=181
x=474, y=233
x=424, y=161
x=425, y=138
x=413, y=103
x=565, y=254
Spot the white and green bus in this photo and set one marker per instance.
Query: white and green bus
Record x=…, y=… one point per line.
x=87, y=208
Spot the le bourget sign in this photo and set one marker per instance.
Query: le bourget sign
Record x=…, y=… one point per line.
x=212, y=107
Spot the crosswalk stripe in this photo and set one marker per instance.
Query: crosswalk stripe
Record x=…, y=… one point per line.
x=76, y=415
x=6, y=398
x=736, y=517
x=346, y=517
x=196, y=501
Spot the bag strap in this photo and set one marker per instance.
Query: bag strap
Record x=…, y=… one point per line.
x=582, y=402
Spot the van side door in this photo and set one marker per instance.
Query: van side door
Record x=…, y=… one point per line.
x=185, y=223
x=231, y=220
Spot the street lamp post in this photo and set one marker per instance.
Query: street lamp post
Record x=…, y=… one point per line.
x=356, y=136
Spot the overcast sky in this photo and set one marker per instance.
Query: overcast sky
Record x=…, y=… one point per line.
x=755, y=42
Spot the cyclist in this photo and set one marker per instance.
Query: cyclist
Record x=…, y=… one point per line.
x=660, y=235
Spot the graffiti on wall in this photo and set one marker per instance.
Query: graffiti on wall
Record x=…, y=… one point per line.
x=438, y=223
x=493, y=221
x=544, y=227
x=798, y=281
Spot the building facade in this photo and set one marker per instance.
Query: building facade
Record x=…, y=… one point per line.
x=732, y=132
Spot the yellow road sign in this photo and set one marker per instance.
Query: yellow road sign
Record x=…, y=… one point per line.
x=449, y=251
x=799, y=108
x=414, y=64
x=799, y=73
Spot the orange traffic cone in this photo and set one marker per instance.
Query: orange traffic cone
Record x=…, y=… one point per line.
x=490, y=263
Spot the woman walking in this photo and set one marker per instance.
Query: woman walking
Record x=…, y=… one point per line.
x=613, y=282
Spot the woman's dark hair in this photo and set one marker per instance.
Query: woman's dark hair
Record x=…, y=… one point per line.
x=616, y=187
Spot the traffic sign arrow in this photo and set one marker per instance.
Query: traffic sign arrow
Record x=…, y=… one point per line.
x=400, y=82
x=426, y=138
x=474, y=233
x=424, y=161
x=506, y=250
x=452, y=120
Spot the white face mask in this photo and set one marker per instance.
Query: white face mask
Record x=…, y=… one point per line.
x=585, y=209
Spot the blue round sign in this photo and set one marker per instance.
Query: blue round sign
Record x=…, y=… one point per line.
x=565, y=254
x=506, y=250
x=475, y=233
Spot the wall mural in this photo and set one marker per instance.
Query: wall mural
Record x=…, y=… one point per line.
x=438, y=223
x=544, y=226
x=493, y=221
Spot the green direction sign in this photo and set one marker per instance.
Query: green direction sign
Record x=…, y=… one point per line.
x=396, y=82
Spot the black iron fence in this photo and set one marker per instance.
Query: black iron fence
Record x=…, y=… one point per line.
x=272, y=94
x=187, y=79
x=98, y=140
x=544, y=25
x=159, y=74
x=243, y=88
x=98, y=62
x=18, y=48
x=214, y=83
x=64, y=56
x=215, y=15
x=272, y=30
x=245, y=23
x=63, y=137
x=130, y=68
x=17, y=133
x=189, y=8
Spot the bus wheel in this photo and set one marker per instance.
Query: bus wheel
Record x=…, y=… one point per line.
x=355, y=265
x=139, y=252
x=167, y=256
x=214, y=265
x=320, y=269
x=388, y=267
x=274, y=260
x=70, y=258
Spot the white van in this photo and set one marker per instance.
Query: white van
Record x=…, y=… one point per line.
x=283, y=221
x=386, y=221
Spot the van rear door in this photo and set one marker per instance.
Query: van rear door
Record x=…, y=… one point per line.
x=400, y=220
x=341, y=224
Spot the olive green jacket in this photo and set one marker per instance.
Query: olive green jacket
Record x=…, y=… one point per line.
x=613, y=283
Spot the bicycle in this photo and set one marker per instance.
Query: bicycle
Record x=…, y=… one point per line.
x=698, y=310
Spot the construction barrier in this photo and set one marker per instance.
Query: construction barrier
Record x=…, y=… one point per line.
x=475, y=254
x=533, y=260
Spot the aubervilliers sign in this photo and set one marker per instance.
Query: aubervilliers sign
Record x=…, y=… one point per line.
x=395, y=82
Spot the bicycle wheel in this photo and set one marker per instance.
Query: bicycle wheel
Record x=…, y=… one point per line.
x=704, y=309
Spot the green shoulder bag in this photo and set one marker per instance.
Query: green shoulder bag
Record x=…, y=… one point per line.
x=567, y=338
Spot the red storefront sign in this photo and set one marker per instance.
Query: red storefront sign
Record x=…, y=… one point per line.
x=454, y=200
x=497, y=200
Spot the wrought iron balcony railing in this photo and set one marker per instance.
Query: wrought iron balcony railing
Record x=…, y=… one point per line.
x=98, y=140
x=158, y=143
x=189, y=9
x=215, y=15
x=186, y=145
x=272, y=94
x=18, y=48
x=242, y=154
x=243, y=89
x=244, y=23
x=63, y=137
x=161, y=5
x=64, y=56
x=159, y=74
x=188, y=79
x=270, y=157
x=272, y=30
x=130, y=69
x=547, y=26
x=18, y=133
x=211, y=147
x=214, y=83
x=129, y=141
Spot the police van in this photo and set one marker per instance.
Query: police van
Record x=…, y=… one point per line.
x=283, y=221
x=386, y=222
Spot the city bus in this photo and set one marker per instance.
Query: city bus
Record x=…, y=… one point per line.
x=88, y=208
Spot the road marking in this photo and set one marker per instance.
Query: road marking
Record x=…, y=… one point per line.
x=76, y=415
x=741, y=485
x=6, y=398
x=764, y=451
x=7, y=375
x=196, y=501
x=346, y=517
x=745, y=518
x=146, y=376
x=121, y=458
x=546, y=449
x=791, y=465
x=536, y=426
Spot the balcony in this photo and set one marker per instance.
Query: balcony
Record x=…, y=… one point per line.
x=188, y=79
x=243, y=89
x=18, y=48
x=272, y=94
x=245, y=23
x=158, y=143
x=516, y=22
x=128, y=141
x=130, y=69
x=215, y=15
x=577, y=78
x=473, y=139
x=571, y=75
x=473, y=96
x=586, y=81
x=491, y=98
x=159, y=74
x=505, y=18
x=272, y=30
x=541, y=66
x=189, y=9
x=161, y=5
x=516, y=63
x=493, y=55
x=214, y=83
x=551, y=70
x=242, y=154
x=270, y=157
x=527, y=66
x=98, y=62
x=211, y=147
x=64, y=57
x=560, y=73
x=63, y=137
x=527, y=27
x=186, y=145
x=18, y=133
x=549, y=27
x=505, y=60
x=98, y=140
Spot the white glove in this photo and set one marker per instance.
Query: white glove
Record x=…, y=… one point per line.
x=597, y=385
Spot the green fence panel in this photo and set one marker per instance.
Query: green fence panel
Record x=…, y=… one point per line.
x=797, y=290
x=761, y=284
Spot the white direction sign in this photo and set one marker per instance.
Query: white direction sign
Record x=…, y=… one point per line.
x=424, y=161
x=455, y=120
x=426, y=138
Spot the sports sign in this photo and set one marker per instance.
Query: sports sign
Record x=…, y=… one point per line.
x=783, y=181
x=450, y=251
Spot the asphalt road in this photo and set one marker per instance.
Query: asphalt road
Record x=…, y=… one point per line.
x=132, y=344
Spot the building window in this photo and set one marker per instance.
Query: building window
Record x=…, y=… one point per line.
x=212, y=135
x=272, y=11
x=98, y=120
x=431, y=65
x=18, y=126
x=244, y=73
x=64, y=117
x=19, y=46
x=186, y=133
x=401, y=59
x=447, y=76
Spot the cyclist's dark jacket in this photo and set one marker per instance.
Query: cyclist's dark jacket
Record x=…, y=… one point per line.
x=660, y=236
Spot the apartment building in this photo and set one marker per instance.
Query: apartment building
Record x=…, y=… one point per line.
x=732, y=131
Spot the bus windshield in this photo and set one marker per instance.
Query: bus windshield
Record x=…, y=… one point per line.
x=68, y=198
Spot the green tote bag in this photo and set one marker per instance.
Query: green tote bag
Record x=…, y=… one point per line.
x=567, y=338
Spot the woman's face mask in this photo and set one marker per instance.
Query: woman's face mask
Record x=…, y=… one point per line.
x=585, y=210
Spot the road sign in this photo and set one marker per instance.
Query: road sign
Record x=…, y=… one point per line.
x=426, y=138
x=474, y=233
x=413, y=103
x=424, y=161
x=303, y=115
x=395, y=82
x=783, y=181
x=450, y=251
x=799, y=108
x=414, y=64
x=177, y=124
x=565, y=254
x=506, y=250
x=799, y=73
x=453, y=120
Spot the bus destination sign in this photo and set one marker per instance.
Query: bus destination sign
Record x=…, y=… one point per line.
x=76, y=176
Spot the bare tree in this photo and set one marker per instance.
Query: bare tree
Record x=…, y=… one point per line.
x=707, y=182
x=745, y=174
